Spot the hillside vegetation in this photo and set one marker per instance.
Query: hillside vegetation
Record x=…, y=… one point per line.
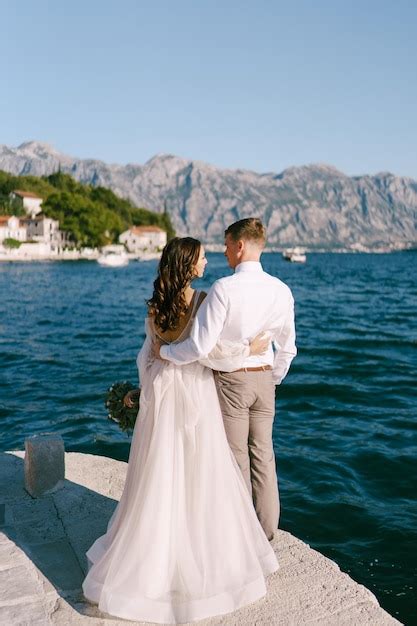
x=92, y=216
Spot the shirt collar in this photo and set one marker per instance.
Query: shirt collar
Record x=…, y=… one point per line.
x=249, y=266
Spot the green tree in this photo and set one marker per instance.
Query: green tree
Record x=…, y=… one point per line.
x=93, y=216
x=10, y=207
x=9, y=242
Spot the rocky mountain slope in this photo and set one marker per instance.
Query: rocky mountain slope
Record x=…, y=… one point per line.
x=315, y=206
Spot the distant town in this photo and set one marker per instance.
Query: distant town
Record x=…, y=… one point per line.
x=34, y=236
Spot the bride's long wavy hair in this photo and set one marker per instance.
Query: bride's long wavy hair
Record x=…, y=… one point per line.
x=175, y=271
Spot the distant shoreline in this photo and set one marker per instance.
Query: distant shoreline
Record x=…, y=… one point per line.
x=354, y=249
x=89, y=254
x=13, y=256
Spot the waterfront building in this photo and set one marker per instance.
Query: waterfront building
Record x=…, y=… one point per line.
x=11, y=228
x=143, y=239
x=40, y=234
x=44, y=229
x=27, y=200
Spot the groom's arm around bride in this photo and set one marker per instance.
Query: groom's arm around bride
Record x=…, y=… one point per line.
x=237, y=308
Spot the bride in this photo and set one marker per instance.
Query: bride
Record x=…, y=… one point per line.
x=184, y=542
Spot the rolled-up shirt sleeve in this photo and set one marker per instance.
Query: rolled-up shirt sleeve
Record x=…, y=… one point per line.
x=284, y=345
x=206, y=330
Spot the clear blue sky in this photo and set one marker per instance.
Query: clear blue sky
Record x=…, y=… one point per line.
x=260, y=85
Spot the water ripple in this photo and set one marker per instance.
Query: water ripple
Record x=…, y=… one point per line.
x=345, y=434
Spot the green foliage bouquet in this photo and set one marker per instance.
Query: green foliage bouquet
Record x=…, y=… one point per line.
x=124, y=416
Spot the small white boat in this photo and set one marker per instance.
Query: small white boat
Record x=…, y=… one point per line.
x=295, y=255
x=113, y=256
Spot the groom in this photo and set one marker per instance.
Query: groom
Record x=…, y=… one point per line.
x=237, y=308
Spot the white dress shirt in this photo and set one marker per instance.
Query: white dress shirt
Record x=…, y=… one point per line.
x=237, y=308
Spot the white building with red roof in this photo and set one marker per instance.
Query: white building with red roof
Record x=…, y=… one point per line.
x=35, y=227
x=11, y=228
x=139, y=239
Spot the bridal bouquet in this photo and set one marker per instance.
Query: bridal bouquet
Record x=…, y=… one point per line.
x=116, y=411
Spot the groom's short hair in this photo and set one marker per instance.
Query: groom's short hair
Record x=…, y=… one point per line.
x=249, y=229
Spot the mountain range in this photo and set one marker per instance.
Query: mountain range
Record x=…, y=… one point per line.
x=315, y=206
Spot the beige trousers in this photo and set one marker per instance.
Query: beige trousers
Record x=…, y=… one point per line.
x=247, y=401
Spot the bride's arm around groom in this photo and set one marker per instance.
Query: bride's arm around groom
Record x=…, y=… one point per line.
x=211, y=331
x=236, y=309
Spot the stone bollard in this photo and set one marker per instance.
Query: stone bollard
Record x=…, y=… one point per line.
x=44, y=464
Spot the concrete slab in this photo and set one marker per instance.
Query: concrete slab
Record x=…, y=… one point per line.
x=30, y=510
x=58, y=563
x=16, y=582
x=39, y=530
x=35, y=611
x=12, y=477
x=42, y=556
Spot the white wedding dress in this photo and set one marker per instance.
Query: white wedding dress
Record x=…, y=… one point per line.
x=184, y=542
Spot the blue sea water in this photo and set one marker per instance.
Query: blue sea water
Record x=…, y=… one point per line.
x=345, y=433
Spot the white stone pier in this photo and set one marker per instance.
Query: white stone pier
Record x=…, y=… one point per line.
x=42, y=559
